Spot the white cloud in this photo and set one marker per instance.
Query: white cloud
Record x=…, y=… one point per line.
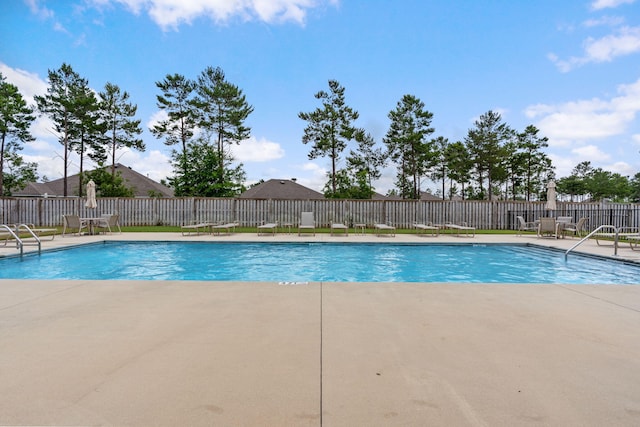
x=591, y=153
x=563, y=164
x=257, y=150
x=154, y=164
x=623, y=168
x=315, y=176
x=586, y=120
x=29, y=84
x=40, y=11
x=157, y=117
x=605, y=4
x=170, y=14
x=625, y=41
x=611, y=21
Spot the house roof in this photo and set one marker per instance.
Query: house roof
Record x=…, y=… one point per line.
x=281, y=189
x=142, y=185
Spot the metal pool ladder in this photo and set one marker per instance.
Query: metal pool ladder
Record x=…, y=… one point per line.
x=600, y=228
x=20, y=244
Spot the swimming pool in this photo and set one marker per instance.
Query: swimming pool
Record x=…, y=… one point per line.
x=304, y=262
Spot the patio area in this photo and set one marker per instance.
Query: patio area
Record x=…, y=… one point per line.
x=168, y=353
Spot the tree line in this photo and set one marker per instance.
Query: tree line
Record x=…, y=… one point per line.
x=205, y=116
x=492, y=160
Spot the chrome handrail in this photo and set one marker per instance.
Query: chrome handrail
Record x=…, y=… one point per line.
x=36, y=239
x=14, y=235
x=602, y=227
x=20, y=244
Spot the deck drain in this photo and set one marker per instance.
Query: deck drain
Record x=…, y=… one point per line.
x=292, y=283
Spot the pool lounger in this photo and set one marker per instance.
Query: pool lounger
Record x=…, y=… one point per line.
x=423, y=228
x=463, y=227
x=230, y=228
x=267, y=228
x=335, y=226
x=203, y=227
x=381, y=228
x=629, y=236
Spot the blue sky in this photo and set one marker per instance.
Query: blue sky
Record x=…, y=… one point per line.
x=570, y=68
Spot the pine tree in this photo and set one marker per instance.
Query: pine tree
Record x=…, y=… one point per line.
x=15, y=119
x=121, y=127
x=329, y=129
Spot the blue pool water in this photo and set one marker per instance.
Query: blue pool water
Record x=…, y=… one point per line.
x=296, y=262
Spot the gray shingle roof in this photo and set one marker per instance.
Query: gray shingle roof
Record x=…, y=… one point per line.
x=281, y=189
x=142, y=185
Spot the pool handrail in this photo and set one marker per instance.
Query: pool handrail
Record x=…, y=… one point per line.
x=602, y=227
x=20, y=244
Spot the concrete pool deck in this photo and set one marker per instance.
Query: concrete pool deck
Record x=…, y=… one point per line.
x=169, y=353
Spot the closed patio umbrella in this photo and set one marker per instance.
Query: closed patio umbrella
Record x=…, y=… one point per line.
x=91, y=195
x=551, y=196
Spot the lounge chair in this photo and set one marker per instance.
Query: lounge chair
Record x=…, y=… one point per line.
x=462, y=227
x=336, y=226
x=268, y=228
x=109, y=223
x=624, y=233
x=633, y=240
x=548, y=227
x=230, y=227
x=525, y=226
x=387, y=229
x=577, y=228
x=307, y=222
x=72, y=222
x=50, y=232
x=423, y=228
x=201, y=227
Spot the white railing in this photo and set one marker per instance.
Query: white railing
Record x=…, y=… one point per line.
x=597, y=230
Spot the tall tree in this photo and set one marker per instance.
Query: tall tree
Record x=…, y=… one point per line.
x=441, y=168
x=603, y=184
x=121, y=128
x=201, y=175
x=15, y=119
x=407, y=144
x=59, y=105
x=460, y=164
x=223, y=110
x=86, y=136
x=330, y=128
x=576, y=184
x=486, y=143
x=534, y=163
x=176, y=100
x=364, y=165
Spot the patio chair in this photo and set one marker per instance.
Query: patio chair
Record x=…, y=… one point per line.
x=423, y=228
x=50, y=232
x=109, y=222
x=230, y=227
x=307, y=222
x=336, y=226
x=197, y=228
x=268, y=228
x=525, y=226
x=548, y=227
x=381, y=228
x=577, y=228
x=462, y=227
x=72, y=222
x=629, y=234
